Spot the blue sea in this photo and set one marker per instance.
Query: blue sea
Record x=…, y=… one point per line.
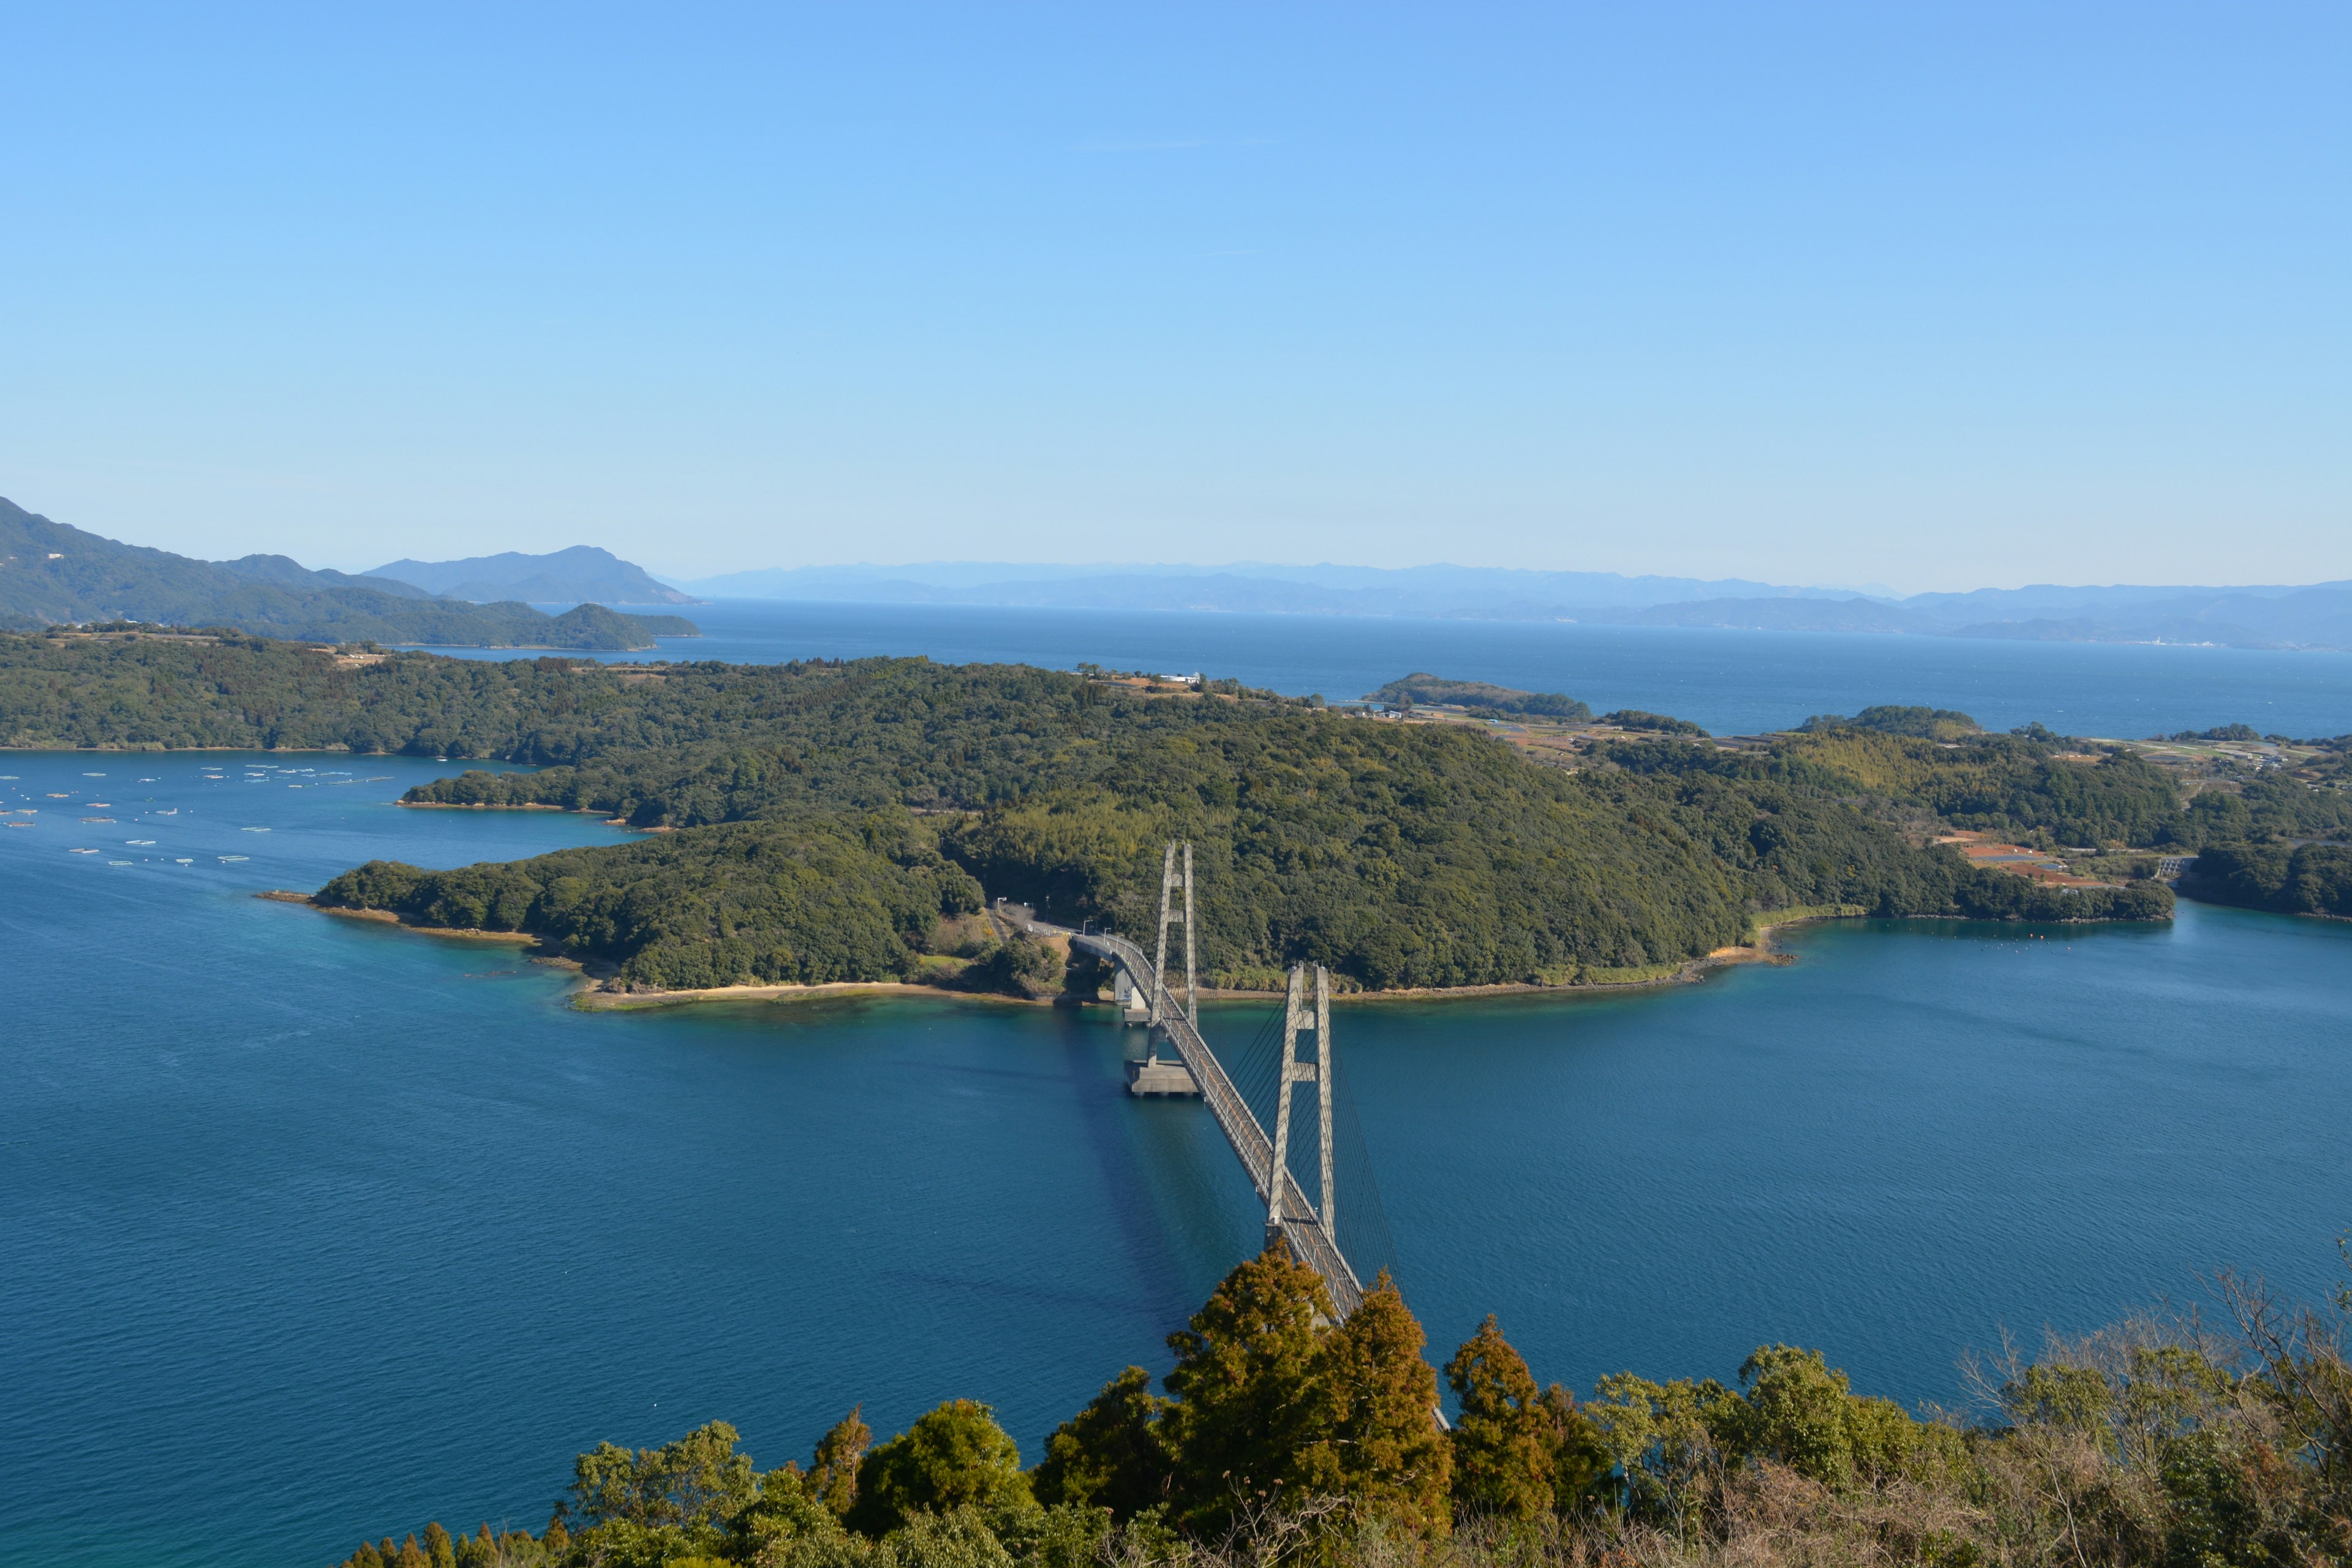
x=1732, y=682
x=313, y=1229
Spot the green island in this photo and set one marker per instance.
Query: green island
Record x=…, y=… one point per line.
x=1284, y=1438
x=824, y=823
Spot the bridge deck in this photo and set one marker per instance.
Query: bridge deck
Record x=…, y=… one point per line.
x=1302, y=1226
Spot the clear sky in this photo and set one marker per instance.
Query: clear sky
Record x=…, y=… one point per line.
x=1936, y=295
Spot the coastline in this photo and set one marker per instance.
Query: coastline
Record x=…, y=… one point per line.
x=589, y=997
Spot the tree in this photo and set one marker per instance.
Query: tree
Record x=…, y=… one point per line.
x=1246, y=1380
x=1111, y=1454
x=1382, y=1446
x=1503, y=1439
x=952, y=1455
x=1579, y=1459
x=832, y=1470
x=696, y=1483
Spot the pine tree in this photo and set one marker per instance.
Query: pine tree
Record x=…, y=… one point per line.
x=1111, y=1454
x=411, y=1554
x=832, y=1471
x=1383, y=1449
x=1503, y=1441
x=1246, y=1381
x=437, y=1546
x=479, y=1549
x=1579, y=1459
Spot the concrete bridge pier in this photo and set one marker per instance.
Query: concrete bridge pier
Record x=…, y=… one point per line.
x=1157, y=1074
x=1134, y=1006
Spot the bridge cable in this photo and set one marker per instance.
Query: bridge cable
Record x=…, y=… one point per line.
x=1363, y=1234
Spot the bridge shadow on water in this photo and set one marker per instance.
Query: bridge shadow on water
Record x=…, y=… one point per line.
x=1182, y=1208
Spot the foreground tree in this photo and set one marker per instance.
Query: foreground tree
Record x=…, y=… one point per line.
x=1111, y=1454
x=1504, y=1440
x=1382, y=1445
x=1248, y=1383
x=1581, y=1461
x=954, y=1455
x=832, y=1470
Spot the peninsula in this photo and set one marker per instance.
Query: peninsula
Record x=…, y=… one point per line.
x=825, y=822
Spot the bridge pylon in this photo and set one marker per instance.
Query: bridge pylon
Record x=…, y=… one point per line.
x=1151, y=1075
x=1301, y=1012
x=1167, y=913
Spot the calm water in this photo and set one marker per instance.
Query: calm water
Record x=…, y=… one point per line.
x=1732, y=682
x=311, y=1229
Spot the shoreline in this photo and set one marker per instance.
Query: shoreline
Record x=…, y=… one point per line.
x=589, y=997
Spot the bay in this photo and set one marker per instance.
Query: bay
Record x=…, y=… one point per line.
x=1732, y=682
x=311, y=1228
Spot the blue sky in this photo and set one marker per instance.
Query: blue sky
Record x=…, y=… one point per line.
x=1939, y=296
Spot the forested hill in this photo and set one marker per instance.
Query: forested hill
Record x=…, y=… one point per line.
x=1399, y=855
x=52, y=575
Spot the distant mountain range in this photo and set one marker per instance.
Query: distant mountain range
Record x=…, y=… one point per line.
x=51, y=573
x=581, y=574
x=1501, y=592
x=2286, y=617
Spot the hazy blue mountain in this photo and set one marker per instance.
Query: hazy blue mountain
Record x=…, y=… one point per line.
x=1776, y=615
x=51, y=573
x=562, y=576
x=2314, y=617
x=2317, y=617
x=288, y=572
x=1325, y=589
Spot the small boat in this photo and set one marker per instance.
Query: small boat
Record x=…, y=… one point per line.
x=234, y=857
x=139, y=843
x=82, y=852
x=253, y=830
x=184, y=860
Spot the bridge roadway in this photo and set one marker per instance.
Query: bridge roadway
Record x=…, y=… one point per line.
x=1301, y=1226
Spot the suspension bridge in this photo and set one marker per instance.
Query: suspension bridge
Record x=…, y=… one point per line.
x=1308, y=1227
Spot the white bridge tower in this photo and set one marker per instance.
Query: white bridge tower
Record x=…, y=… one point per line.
x=1153, y=1075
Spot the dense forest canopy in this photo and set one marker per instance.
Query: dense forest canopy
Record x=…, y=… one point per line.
x=1287, y=1437
x=1641, y=718
x=1925, y=724
x=1398, y=855
x=1433, y=691
x=2291, y=879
